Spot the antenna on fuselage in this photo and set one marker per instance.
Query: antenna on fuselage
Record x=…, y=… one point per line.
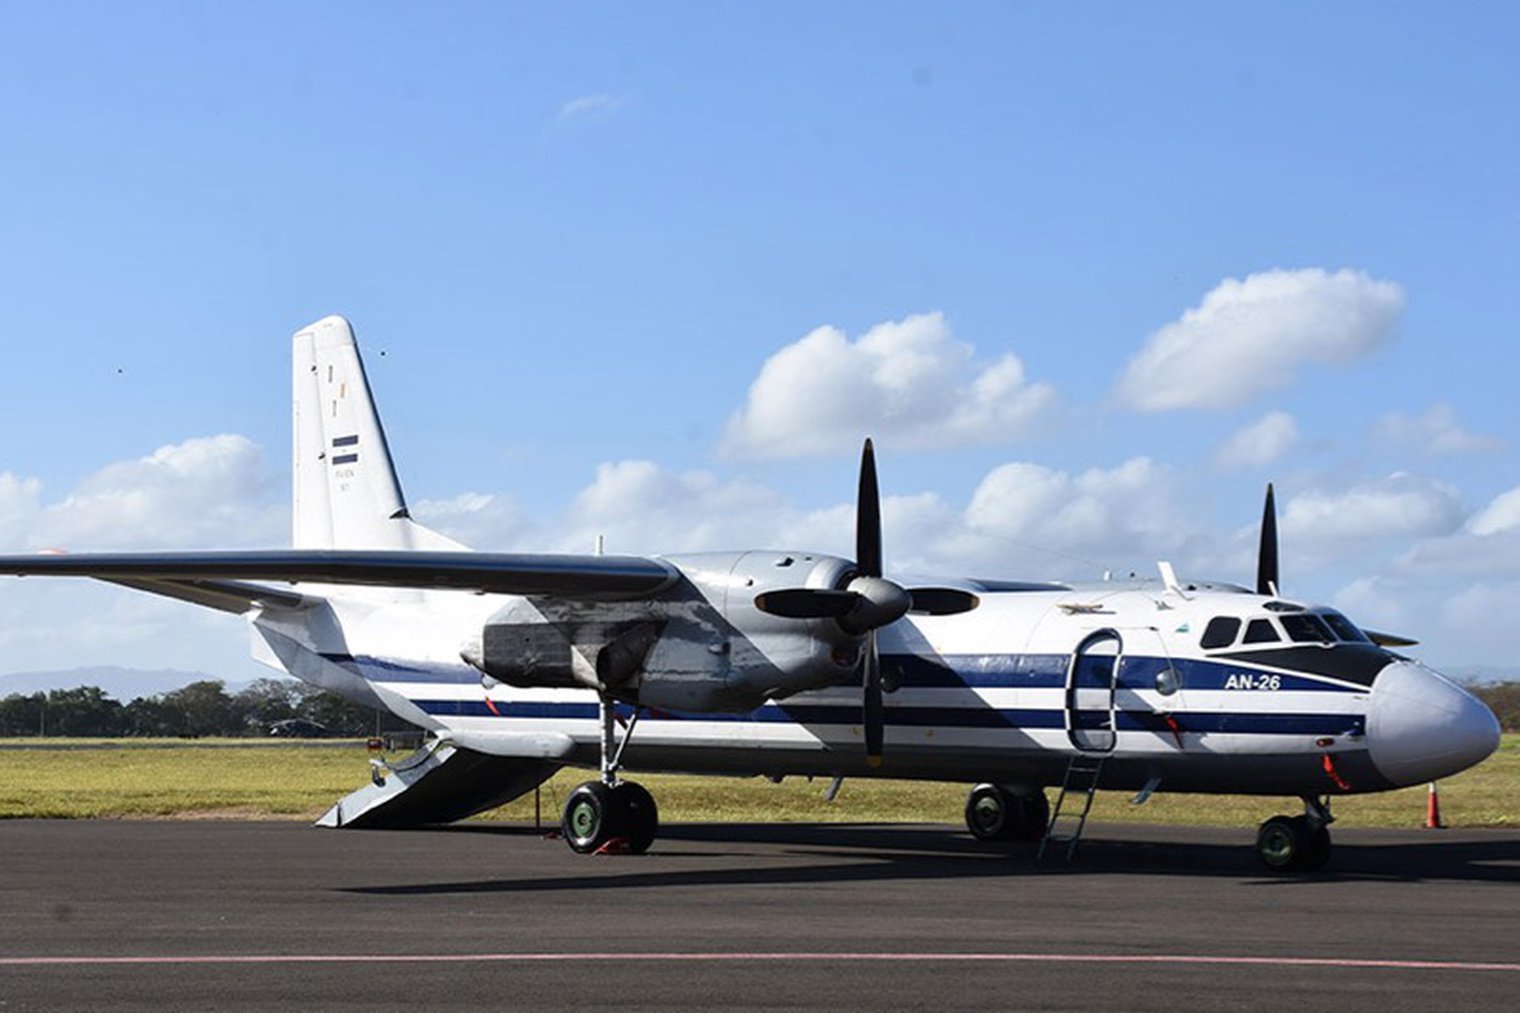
x=1169, y=580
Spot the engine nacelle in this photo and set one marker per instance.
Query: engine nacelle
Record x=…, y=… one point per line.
x=701, y=647
x=769, y=657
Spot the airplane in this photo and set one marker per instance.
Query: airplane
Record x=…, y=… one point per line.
x=785, y=662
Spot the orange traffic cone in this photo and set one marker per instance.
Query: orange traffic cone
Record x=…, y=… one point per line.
x=1433, y=811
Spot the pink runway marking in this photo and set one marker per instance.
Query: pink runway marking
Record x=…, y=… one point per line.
x=986, y=958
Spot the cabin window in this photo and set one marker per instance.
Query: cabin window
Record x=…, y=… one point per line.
x=1220, y=632
x=1344, y=628
x=1261, y=631
x=1304, y=628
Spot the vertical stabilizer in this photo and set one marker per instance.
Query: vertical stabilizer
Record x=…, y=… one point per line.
x=346, y=495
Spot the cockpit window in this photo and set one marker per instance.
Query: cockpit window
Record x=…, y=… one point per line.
x=1220, y=632
x=1344, y=628
x=1261, y=631
x=1305, y=628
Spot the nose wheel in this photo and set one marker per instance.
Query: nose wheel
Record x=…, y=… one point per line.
x=1296, y=843
x=610, y=814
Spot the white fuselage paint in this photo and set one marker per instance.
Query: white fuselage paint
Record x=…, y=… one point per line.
x=983, y=696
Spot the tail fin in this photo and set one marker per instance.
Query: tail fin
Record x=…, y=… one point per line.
x=346, y=495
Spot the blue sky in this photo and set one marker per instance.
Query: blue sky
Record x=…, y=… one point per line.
x=596, y=244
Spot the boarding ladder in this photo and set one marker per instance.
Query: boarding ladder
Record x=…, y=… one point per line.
x=1082, y=776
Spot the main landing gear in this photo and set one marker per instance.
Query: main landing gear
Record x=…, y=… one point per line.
x=1296, y=843
x=995, y=813
x=610, y=814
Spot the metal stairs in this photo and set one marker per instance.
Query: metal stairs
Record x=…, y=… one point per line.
x=1082, y=776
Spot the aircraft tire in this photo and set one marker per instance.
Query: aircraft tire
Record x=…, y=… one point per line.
x=992, y=814
x=1289, y=844
x=1036, y=817
x=640, y=815
x=1317, y=851
x=590, y=818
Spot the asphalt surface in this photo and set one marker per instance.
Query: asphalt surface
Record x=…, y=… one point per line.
x=219, y=915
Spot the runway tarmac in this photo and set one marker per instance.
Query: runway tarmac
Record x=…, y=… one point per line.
x=218, y=915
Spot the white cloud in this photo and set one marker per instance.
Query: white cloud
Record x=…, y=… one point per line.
x=1258, y=444
x=1502, y=514
x=641, y=507
x=1435, y=432
x=205, y=492
x=909, y=381
x=1378, y=602
x=211, y=491
x=589, y=105
x=20, y=500
x=1128, y=514
x=1251, y=336
x=1400, y=506
x=1476, y=621
x=485, y=521
x=1489, y=543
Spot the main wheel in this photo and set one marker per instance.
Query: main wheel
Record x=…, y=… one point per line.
x=994, y=813
x=1317, y=853
x=641, y=817
x=991, y=814
x=590, y=819
x=1036, y=816
x=1289, y=844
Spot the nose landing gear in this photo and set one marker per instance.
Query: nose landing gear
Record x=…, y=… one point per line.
x=601, y=814
x=1296, y=843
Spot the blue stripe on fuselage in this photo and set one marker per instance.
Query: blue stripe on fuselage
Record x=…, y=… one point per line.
x=1255, y=723
x=961, y=671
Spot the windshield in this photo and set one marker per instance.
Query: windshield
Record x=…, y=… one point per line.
x=1344, y=628
x=1304, y=628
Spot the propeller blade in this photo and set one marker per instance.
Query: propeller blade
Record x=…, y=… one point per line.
x=806, y=603
x=1266, y=557
x=873, y=718
x=868, y=517
x=1388, y=639
x=942, y=601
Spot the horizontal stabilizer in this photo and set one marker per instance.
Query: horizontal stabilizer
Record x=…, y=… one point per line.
x=595, y=578
x=224, y=595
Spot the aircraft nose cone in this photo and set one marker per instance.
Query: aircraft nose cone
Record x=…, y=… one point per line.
x=1421, y=726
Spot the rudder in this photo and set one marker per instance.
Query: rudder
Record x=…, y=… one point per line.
x=345, y=491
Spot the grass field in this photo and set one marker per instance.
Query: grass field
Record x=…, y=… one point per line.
x=237, y=780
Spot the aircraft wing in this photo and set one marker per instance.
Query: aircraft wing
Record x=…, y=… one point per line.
x=593, y=578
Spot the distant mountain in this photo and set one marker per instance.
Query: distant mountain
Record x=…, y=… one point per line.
x=124, y=684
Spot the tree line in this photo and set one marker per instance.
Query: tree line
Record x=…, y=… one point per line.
x=1503, y=698
x=193, y=711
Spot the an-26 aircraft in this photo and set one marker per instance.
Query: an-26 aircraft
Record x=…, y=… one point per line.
x=790, y=662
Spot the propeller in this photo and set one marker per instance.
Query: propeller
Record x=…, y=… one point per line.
x=879, y=599
x=1266, y=556
x=1267, y=573
x=867, y=602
